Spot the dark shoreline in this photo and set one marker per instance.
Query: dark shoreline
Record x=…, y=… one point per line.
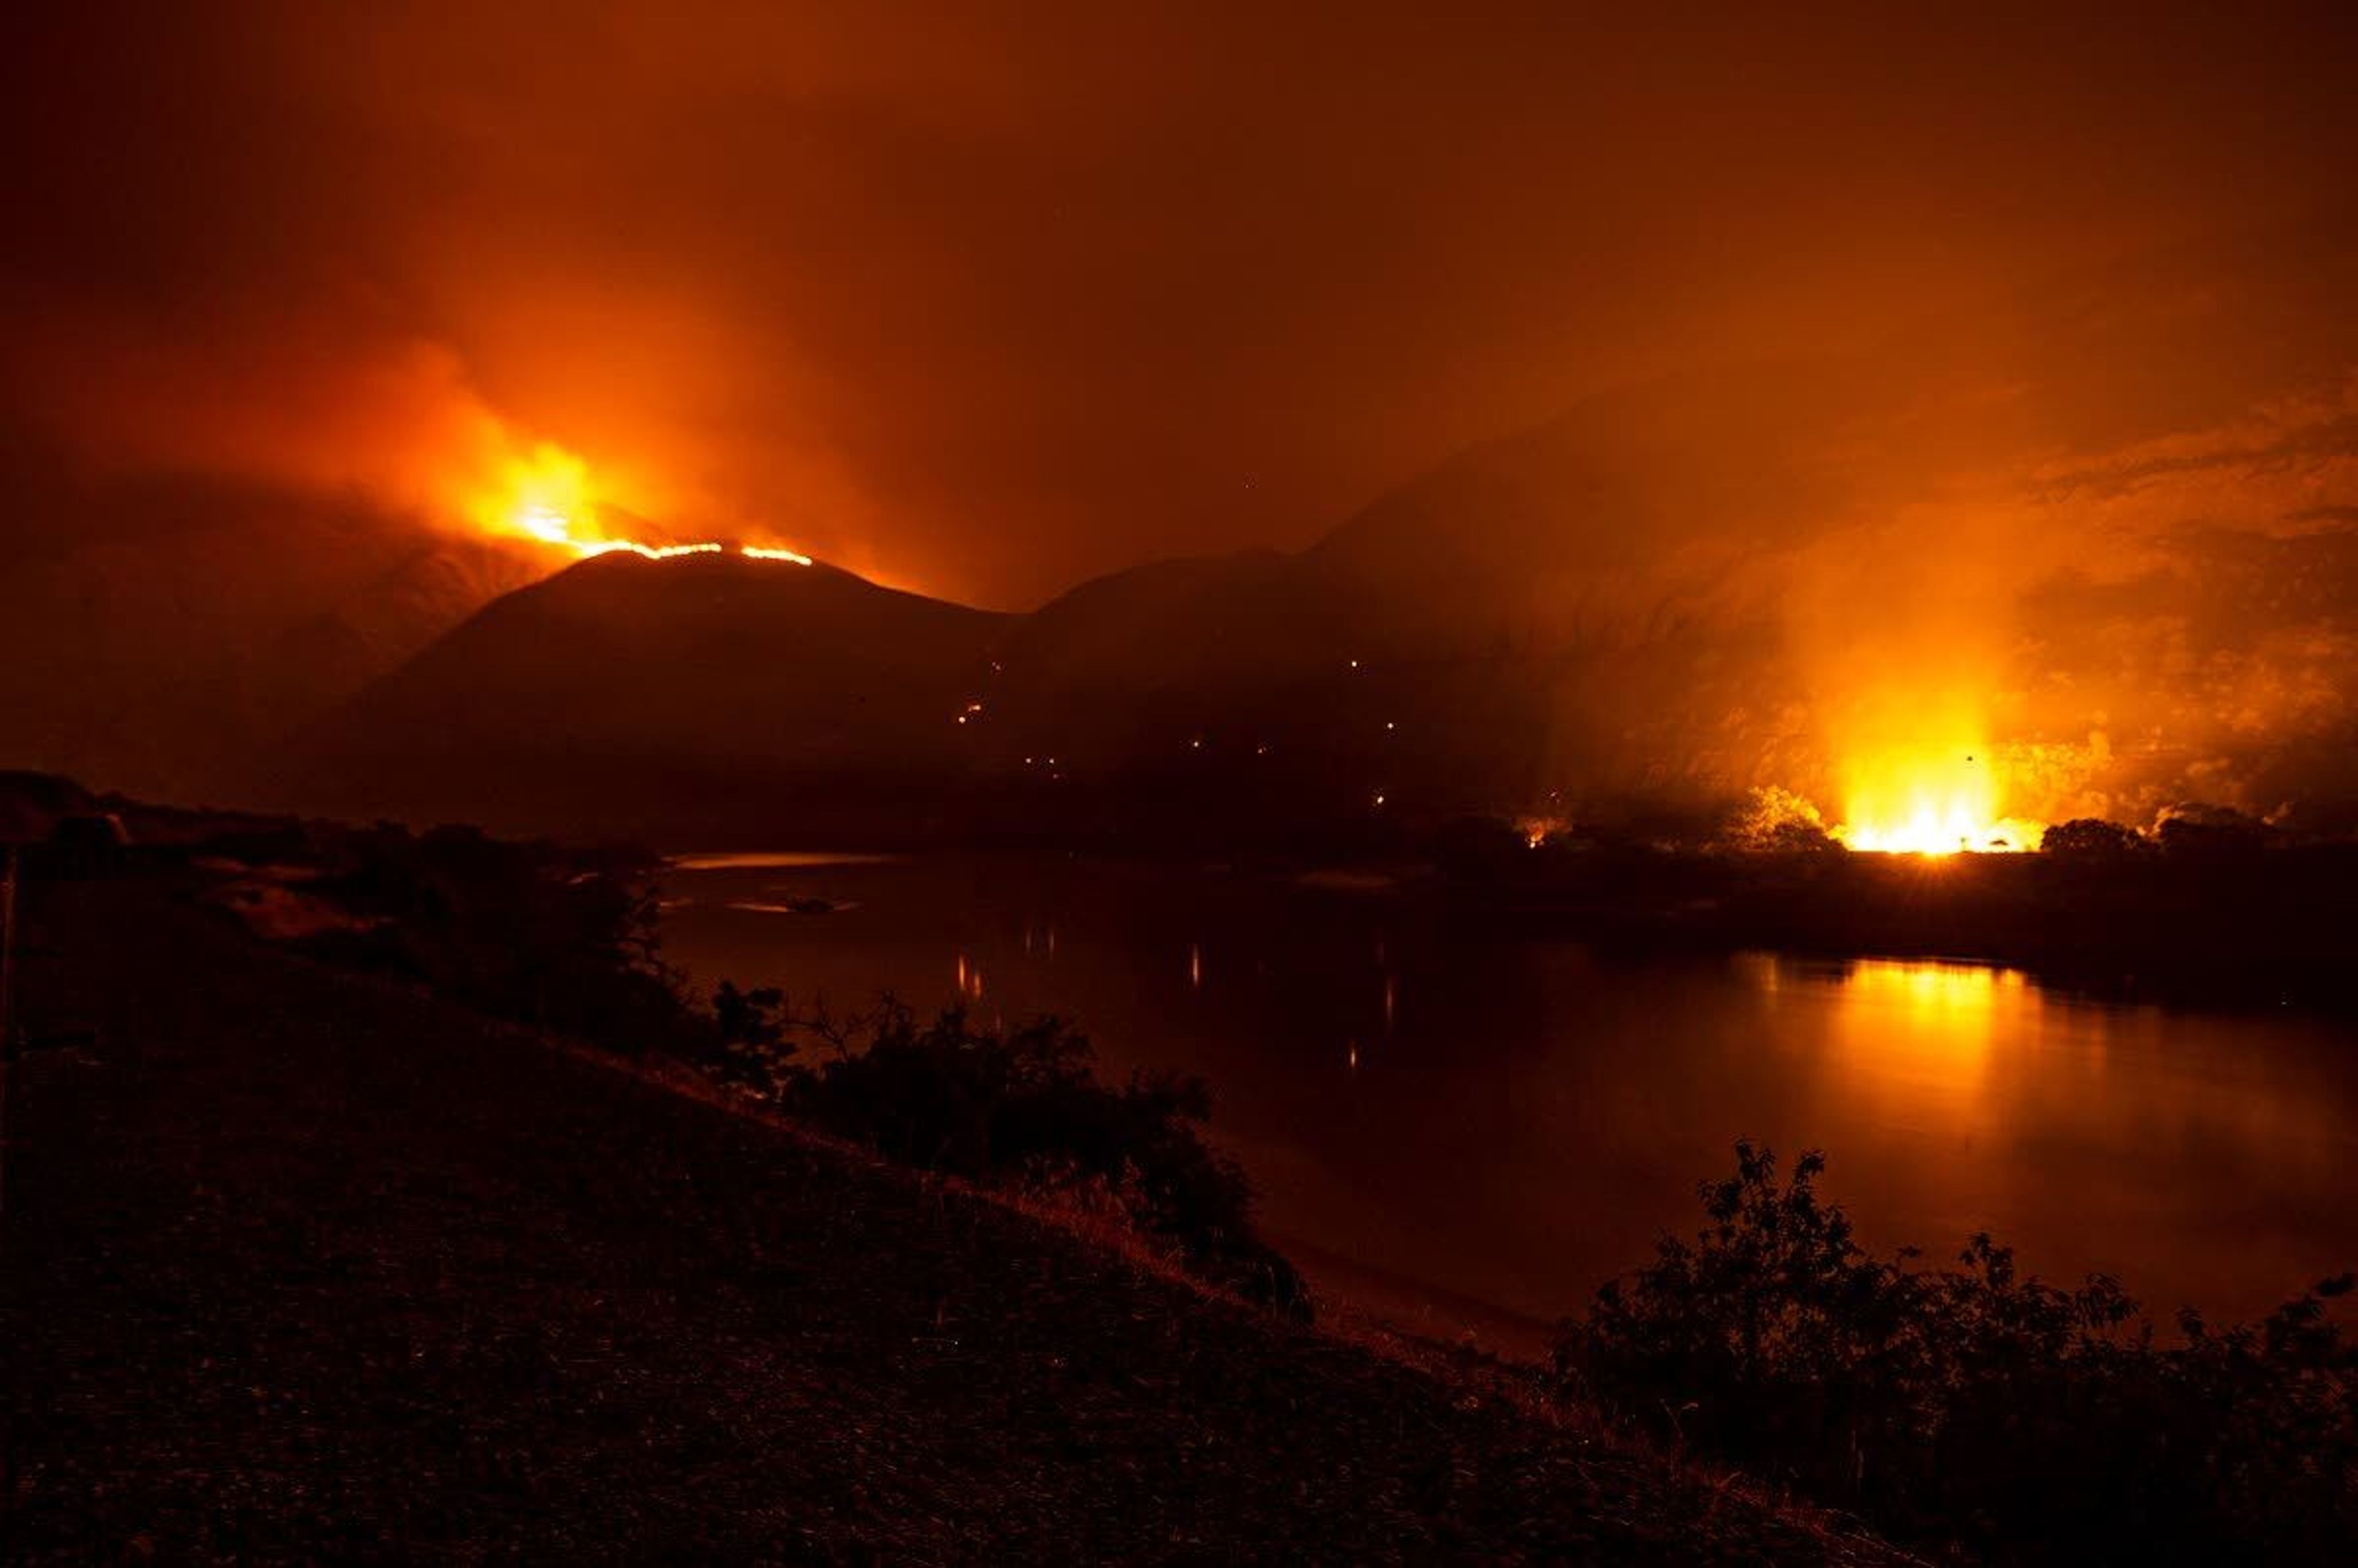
x=307, y=1263
x=2272, y=931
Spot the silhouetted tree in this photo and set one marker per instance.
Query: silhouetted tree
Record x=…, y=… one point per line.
x=1778, y=822
x=2215, y=833
x=2091, y=839
x=748, y=1017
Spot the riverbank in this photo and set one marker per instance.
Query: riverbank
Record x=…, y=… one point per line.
x=302, y=1264
x=1502, y=1114
x=2233, y=926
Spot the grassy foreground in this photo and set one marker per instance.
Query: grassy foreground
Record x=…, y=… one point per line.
x=299, y=1264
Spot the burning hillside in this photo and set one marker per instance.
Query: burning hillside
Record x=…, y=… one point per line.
x=1920, y=587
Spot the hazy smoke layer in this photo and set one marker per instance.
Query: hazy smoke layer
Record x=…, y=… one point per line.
x=2053, y=455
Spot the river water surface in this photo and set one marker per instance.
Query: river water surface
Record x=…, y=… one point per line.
x=1470, y=1129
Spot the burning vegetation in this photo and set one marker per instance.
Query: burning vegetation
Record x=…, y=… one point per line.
x=1938, y=802
x=546, y=498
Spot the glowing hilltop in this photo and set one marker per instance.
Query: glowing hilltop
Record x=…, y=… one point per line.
x=545, y=497
x=555, y=528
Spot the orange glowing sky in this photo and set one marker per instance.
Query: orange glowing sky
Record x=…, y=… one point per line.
x=2056, y=417
x=991, y=307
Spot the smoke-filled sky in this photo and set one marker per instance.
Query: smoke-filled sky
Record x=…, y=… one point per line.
x=987, y=299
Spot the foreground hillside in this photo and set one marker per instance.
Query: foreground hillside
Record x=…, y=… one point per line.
x=301, y=1265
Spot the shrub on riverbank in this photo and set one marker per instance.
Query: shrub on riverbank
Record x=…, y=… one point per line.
x=1973, y=1407
x=565, y=938
x=1019, y=1107
x=555, y=937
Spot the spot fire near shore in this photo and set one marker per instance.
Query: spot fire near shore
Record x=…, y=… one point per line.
x=1929, y=801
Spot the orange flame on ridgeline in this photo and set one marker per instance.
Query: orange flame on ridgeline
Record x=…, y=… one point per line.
x=556, y=529
x=547, y=497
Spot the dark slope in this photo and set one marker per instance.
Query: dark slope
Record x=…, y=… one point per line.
x=178, y=628
x=1225, y=680
x=1197, y=624
x=625, y=692
x=1568, y=609
x=301, y=1267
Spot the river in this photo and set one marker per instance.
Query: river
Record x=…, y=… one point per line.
x=1467, y=1130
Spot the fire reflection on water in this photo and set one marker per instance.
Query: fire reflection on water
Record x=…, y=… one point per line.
x=1922, y=1029
x=1538, y=1112
x=1957, y=999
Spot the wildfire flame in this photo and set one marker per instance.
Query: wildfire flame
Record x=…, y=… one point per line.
x=555, y=528
x=546, y=496
x=1942, y=801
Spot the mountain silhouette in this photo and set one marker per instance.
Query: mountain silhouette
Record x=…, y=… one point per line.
x=705, y=688
x=2104, y=533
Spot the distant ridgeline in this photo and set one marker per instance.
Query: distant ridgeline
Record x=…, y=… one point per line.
x=2005, y=558
x=1864, y=581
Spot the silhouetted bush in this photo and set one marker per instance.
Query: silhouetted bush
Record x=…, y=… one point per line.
x=1775, y=821
x=2215, y=835
x=1973, y=1407
x=2092, y=839
x=31, y=804
x=563, y=939
x=1021, y=1106
x=748, y=1043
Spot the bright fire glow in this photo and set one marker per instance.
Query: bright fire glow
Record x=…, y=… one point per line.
x=540, y=523
x=547, y=497
x=1929, y=802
